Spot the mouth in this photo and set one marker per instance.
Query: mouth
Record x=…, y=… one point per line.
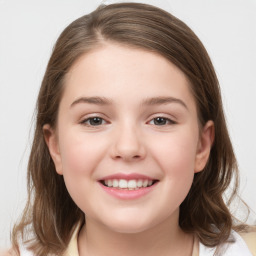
x=124, y=184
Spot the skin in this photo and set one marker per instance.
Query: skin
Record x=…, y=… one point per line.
x=127, y=140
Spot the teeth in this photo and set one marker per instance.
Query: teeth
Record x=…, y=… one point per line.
x=131, y=184
x=139, y=183
x=115, y=183
x=123, y=183
x=128, y=184
x=110, y=183
x=145, y=183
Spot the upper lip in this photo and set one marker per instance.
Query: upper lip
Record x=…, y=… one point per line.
x=127, y=176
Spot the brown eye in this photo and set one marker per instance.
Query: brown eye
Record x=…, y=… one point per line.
x=161, y=121
x=94, y=121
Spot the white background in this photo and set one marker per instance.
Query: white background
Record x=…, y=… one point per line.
x=28, y=30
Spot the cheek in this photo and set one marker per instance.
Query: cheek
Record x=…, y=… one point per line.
x=176, y=156
x=177, y=152
x=80, y=153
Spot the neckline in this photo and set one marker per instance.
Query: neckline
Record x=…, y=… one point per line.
x=72, y=249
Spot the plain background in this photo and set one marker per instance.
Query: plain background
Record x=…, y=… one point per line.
x=28, y=31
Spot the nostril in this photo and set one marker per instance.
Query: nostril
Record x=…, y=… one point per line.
x=127, y=151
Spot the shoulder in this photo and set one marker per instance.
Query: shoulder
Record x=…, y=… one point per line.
x=22, y=251
x=8, y=253
x=236, y=245
x=250, y=240
x=4, y=253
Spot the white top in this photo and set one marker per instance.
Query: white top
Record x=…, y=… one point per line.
x=237, y=248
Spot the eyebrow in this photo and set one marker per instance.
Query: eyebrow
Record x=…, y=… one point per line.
x=92, y=100
x=163, y=100
x=102, y=101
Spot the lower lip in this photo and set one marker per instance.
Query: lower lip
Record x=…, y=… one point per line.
x=128, y=194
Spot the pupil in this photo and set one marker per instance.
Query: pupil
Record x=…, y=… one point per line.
x=96, y=121
x=160, y=121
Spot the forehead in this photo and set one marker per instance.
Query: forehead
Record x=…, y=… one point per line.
x=124, y=72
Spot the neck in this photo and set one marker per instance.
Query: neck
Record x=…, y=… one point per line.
x=164, y=239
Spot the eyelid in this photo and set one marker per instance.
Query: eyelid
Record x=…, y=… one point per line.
x=91, y=116
x=171, y=120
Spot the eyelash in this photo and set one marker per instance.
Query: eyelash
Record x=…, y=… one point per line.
x=101, y=121
x=167, y=121
x=88, y=120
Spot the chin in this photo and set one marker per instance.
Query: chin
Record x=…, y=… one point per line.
x=129, y=225
x=125, y=228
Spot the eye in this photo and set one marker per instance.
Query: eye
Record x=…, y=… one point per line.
x=94, y=121
x=161, y=121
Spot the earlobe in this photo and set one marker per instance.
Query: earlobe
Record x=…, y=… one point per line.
x=51, y=140
x=204, y=146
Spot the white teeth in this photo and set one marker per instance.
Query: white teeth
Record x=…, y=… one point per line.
x=122, y=183
x=145, y=183
x=131, y=184
x=115, y=183
x=128, y=184
x=109, y=183
x=139, y=183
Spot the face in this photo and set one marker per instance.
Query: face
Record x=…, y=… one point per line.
x=127, y=139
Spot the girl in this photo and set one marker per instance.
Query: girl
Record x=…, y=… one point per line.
x=131, y=154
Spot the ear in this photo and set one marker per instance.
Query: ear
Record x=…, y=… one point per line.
x=205, y=142
x=51, y=140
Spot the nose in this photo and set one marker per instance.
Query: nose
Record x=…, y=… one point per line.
x=127, y=144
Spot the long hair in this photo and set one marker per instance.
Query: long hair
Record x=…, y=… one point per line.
x=50, y=215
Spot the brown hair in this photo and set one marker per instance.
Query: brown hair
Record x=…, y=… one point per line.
x=50, y=214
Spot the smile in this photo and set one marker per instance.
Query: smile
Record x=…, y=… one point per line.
x=128, y=184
